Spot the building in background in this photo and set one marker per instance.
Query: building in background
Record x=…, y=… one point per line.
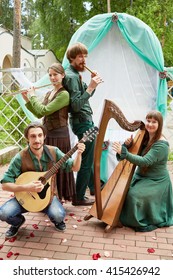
x=37, y=61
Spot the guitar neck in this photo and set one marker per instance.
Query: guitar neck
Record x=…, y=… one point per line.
x=88, y=136
x=56, y=166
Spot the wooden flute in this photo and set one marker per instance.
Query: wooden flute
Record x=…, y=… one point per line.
x=89, y=69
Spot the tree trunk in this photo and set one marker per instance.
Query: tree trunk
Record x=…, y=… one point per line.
x=17, y=34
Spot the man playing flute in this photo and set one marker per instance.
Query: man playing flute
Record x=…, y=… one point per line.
x=81, y=116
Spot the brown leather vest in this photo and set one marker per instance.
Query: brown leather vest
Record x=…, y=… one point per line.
x=27, y=163
x=58, y=118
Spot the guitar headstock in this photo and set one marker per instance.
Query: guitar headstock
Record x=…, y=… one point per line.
x=90, y=134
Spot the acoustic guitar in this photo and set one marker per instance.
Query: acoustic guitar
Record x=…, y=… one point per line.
x=35, y=202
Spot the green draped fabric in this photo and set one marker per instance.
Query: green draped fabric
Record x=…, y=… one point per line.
x=140, y=38
x=138, y=35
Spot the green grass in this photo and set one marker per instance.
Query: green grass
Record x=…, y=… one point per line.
x=170, y=157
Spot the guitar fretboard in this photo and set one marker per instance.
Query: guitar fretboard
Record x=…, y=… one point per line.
x=56, y=166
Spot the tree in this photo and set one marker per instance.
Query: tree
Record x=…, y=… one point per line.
x=17, y=34
x=6, y=14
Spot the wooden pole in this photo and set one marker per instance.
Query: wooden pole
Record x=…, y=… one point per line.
x=109, y=6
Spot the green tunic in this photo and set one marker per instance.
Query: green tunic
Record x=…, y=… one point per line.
x=149, y=201
x=41, y=110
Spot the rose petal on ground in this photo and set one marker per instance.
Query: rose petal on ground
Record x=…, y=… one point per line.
x=79, y=220
x=12, y=239
x=71, y=214
x=48, y=224
x=106, y=254
x=64, y=240
x=74, y=217
x=66, y=220
x=150, y=250
x=35, y=226
x=1, y=259
x=74, y=226
x=1, y=246
x=32, y=234
x=155, y=238
x=16, y=254
x=9, y=254
x=46, y=221
x=96, y=256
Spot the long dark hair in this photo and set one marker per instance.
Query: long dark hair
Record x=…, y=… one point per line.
x=158, y=117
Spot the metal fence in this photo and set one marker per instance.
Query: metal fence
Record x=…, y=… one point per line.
x=12, y=118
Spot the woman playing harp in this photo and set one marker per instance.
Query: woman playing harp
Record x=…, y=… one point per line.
x=149, y=201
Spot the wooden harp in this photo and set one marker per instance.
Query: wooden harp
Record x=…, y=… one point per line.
x=108, y=202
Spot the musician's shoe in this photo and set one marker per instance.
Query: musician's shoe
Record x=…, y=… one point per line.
x=13, y=231
x=61, y=226
x=85, y=202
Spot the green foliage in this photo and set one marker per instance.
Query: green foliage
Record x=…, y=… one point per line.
x=170, y=157
x=56, y=20
x=12, y=125
x=6, y=14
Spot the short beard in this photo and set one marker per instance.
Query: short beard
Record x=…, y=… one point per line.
x=37, y=149
x=79, y=68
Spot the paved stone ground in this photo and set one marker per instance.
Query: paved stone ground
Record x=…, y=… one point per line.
x=38, y=240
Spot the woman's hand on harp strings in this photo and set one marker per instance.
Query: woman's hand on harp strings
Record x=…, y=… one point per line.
x=117, y=147
x=129, y=141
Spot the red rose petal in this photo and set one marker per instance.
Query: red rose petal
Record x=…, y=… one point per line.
x=150, y=250
x=32, y=234
x=9, y=254
x=16, y=254
x=71, y=214
x=12, y=239
x=79, y=220
x=1, y=259
x=96, y=256
x=35, y=226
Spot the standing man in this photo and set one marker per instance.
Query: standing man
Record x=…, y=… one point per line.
x=36, y=157
x=81, y=116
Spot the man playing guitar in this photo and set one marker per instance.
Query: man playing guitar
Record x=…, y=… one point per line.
x=39, y=158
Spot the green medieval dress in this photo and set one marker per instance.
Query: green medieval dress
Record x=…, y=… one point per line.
x=149, y=201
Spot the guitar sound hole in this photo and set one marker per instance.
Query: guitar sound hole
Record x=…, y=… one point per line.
x=42, y=194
